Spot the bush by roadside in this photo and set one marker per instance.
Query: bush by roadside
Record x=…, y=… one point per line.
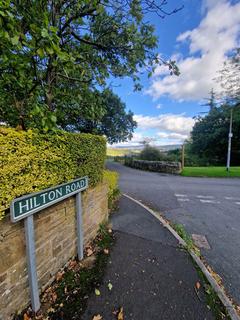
x=111, y=178
x=31, y=161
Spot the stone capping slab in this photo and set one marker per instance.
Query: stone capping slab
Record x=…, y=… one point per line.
x=217, y=288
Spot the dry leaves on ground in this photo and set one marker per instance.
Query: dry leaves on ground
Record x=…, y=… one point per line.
x=89, y=251
x=106, y=251
x=72, y=264
x=215, y=275
x=197, y=285
x=26, y=317
x=120, y=314
x=59, y=275
x=97, y=317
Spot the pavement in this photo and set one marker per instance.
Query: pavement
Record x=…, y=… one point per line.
x=152, y=278
x=207, y=207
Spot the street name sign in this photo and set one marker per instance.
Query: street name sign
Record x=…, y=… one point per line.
x=27, y=205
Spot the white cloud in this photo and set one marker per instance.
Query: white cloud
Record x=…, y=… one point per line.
x=166, y=123
x=209, y=43
x=172, y=136
x=159, y=106
x=165, y=129
x=137, y=140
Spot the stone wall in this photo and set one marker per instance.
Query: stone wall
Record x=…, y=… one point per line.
x=156, y=166
x=55, y=239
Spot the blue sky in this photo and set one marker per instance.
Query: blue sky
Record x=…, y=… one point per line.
x=199, y=38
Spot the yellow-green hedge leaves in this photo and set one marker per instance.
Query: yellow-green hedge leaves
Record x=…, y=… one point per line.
x=30, y=161
x=111, y=178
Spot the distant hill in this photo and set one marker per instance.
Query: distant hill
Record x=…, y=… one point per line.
x=122, y=151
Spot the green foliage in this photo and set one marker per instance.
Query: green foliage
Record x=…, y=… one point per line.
x=53, y=52
x=179, y=228
x=151, y=154
x=211, y=172
x=174, y=155
x=212, y=298
x=113, y=121
x=111, y=178
x=31, y=161
x=209, y=137
x=117, y=124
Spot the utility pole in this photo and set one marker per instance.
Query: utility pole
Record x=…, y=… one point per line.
x=230, y=135
x=183, y=154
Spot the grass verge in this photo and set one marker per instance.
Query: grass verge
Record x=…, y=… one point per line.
x=213, y=302
x=210, y=172
x=212, y=299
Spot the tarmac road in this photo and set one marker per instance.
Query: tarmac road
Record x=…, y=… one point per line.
x=208, y=207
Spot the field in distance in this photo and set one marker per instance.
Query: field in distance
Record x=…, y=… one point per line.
x=120, y=152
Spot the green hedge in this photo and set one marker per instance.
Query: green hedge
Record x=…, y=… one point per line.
x=30, y=161
x=111, y=178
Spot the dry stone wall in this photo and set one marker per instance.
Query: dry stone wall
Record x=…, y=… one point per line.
x=156, y=166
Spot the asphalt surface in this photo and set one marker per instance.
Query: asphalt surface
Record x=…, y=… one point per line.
x=205, y=206
x=152, y=278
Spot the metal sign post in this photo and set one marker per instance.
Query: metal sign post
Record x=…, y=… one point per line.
x=24, y=208
x=79, y=226
x=31, y=262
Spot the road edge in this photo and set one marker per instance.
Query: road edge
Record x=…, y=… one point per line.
x=216, y=287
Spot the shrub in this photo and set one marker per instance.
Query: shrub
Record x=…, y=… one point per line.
x=151, y=154
x=111, y=178
x=30, y=161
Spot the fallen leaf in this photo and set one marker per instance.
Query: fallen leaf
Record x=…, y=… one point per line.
x=72, y=264
x=97, y=317
x=26, y=317
x=89, y=252
x=59, y=275
x=39, y=317
x=106, y=251
x=120, y=314
x=110, y=286
x=51, y=309
x=97, y=292
x=197, y=285
x=54, y=297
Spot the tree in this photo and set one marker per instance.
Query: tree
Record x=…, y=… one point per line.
x=113, y=121
x=209, y=137
x=53, y=48
x=229, y=79
x=211, y=101
x=151, y=154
